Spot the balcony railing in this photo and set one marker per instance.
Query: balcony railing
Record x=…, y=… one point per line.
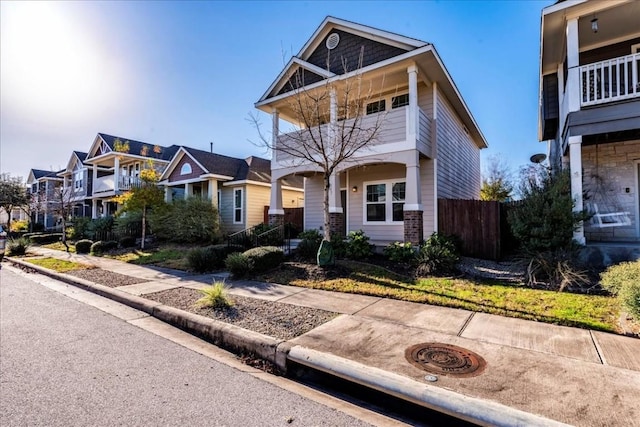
x=392, y=129
x=105, y=184
x=611, y=80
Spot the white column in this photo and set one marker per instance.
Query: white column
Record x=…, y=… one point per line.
x=212, y=192
x=275, y=204
x=94, y=208
x=413, y=193
x=575, y=163
x=188, y=189
x=116, y=174
x=95, y=178
x=167, y=194
x=573, y=62
x=275, y=131
x=335, y=204
x=412, y=110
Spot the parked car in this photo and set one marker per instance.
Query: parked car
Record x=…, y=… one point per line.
x=3, y=242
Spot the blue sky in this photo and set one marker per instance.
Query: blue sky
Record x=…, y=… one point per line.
x=189, y=72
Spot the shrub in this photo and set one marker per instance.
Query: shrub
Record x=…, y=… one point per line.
x=186, y=221
x=267, y=239
x=339, y=246
x=400, y=252
x=110, y=245
x=43, y=239
x=238, y=264
x=358, y=246
x=20, y=226
x=17, y=247
x=79, y=228
x=437, y=255
x=129, y=224
x=97, y=248
x=215, y=296
x=36, y=227
x=309, y=244
x=556, y=268
x=264, y=257
x=623, y=280
x=127, y=242
x=83, y=246
x=201, y=260
x=98, y=228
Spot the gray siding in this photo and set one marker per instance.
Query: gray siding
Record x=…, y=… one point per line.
x=458, y=156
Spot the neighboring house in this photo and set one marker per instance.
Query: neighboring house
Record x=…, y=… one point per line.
x=43, y=189
x=238, y=188
x=77, y=184
x=115, y=164
x=17, y=214
x=590, y=110
x=428, y=147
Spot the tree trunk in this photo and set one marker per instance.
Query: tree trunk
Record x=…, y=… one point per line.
x=144, y=226
x=327, y=186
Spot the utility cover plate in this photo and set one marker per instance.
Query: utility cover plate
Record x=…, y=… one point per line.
x=445, y=359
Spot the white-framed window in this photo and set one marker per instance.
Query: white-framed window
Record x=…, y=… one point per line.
x=77, y=180
x=376, y=107
x=237, y=206
x=186, y=169
x=399, y=101
x=384, y=202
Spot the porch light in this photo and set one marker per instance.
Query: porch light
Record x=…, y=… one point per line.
x=354, y=188
x=594, y=25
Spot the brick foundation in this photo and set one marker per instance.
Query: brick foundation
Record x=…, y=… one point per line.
x=336, y=224
x=413, y=230
x=276, y=219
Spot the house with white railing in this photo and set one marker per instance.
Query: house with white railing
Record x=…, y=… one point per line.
x=43, y=188
x=426, y=146
x=114, y=165
x=590, y=110
x=77, y=183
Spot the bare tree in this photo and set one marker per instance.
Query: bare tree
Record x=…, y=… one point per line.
x=13, y=194
x=331, y=126
x=62, y=208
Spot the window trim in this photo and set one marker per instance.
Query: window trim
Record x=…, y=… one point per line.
x=398, y=96
x=186, y=169
x=388, y=210
x=236, y=208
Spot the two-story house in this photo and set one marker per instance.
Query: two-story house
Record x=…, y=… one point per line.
x=590, y=110
x=77, y=185
x=115, y=164
x=44, y=193
x=427, y=143
x=238, y=188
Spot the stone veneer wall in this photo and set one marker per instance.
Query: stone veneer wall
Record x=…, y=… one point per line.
x=617, y=166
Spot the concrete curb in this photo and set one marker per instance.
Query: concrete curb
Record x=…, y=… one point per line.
x=219, y=333
x=478, y=411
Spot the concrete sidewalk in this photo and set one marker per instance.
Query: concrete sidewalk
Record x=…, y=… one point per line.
x=536, y=373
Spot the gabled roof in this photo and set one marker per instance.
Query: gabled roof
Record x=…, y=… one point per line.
x=319, y=62
x=136, y=148
x=76, y=156
x=40, y=174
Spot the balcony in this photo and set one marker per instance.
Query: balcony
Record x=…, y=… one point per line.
x=612, y=80
x=394, y=129
x=105, y=185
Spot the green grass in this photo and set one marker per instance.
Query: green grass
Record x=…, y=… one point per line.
x=59, y=265
x=585, y=311
x=169, y=257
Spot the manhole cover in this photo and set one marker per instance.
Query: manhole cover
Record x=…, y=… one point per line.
x=445, y=359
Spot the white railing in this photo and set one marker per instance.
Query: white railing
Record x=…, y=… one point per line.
x=103, y=184
x=611, y=80
x=129, y=182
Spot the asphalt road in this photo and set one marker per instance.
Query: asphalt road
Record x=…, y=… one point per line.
x=64, y=363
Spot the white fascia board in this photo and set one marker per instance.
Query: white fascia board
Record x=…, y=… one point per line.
x=457, y=92
x=216, y=176
x=186, y=149
x=362, y=30
x=275, y=82
x=560, y=6
x=288, y=71
x=94, y=147
x=259, y=184
x=350, y=74
x=172, y=164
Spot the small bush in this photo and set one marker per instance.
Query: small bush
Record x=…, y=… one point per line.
x=186, y=221
x=201, y=260
x=97, y=248
x=18, y=247
x=110, y=245
x=556, y=269
x=264, y=257
x=127, y=242
x=79, y=228
x=20, y=226
x=438, y=255
x=83, y=246
x=215, y=296
x=623, y=280
x=400, y=252
x=309, y=244
x=358, y=246
x=238, y=264
x=98, y=228
x=339, y=246
x=43, y=239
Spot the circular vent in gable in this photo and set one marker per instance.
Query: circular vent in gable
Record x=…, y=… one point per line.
x=332, y=41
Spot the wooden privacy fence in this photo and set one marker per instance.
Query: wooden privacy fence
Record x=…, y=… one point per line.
x=480, y=225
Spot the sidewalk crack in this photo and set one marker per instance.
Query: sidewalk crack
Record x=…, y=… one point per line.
x=466, y=323
x=598, y=349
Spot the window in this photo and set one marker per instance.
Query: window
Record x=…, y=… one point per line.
x=376, y=107
x=400, y=101
x=185, y=169
x=77, y=180
x=237, y=206
x=384, y=202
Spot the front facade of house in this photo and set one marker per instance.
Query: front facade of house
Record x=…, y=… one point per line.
x=78, y=185
x=44, y=189
x=426, y=144
x=590, y=110
x=238, y=188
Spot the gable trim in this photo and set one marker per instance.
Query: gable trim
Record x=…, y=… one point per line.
x=288, y=71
